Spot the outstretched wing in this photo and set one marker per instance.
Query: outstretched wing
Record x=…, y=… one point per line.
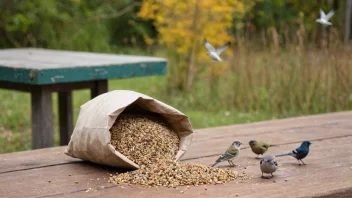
x=209, y=46
x=221, y=49
x=322, y=13
x=329, y=15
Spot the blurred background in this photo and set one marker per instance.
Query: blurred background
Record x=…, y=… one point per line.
x=281, y=63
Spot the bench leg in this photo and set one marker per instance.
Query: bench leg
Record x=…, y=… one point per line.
x=42, y=119
x=65, y=117
x=99, y=87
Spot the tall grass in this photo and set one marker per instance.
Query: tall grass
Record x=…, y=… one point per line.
x=285, y=82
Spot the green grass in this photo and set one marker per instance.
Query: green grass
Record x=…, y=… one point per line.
x=15, y=111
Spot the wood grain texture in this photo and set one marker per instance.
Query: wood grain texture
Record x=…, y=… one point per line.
x=36, y=58
x=328, y=171
x=42, y=66
x=39, y=158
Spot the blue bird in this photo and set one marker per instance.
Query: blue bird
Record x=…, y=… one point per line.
x=299, y=153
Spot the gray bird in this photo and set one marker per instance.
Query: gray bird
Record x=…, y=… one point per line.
x=268, y=165
x=215, y=53
x=232, y=152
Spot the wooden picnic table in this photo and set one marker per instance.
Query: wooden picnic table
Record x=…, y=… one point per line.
x=328, y=173
x=43, y=71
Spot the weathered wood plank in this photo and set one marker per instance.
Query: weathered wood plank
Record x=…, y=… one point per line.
x=275, y=125
x=42, y=119
x=35, y=58
x=293, y=135
x=52, y=180
x=328, y=168
x=39, y=66
x=319, y=177
x=17, y=161
x=65, y=117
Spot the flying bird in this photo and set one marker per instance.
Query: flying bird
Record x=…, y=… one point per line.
x=299, y=153
x=268, y=165
x=215, y=53
x=258, y=147
x=230, y=154
x=324, y=18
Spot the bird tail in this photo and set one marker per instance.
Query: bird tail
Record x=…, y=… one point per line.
x=280, y=155
x=215, y=163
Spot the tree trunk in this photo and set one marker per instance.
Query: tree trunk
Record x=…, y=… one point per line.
x=348, y=22
x=192, y=62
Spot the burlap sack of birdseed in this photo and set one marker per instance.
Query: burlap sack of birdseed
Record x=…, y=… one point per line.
x=91, y=138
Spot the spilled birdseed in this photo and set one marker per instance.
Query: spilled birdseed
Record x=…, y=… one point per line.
x=171, y=174
x=152, y=144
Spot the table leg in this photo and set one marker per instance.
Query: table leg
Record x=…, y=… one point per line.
x=42, y=119
x=65, y=117
x=100, y=87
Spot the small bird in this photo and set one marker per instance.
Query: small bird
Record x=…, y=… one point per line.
x=299, y=153
x=268, y=165
x=258, y=147
x=215, y=53
x=232, y=152
x=324, y=19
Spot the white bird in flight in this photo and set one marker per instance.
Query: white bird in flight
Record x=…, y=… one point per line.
x=324, y=19
x=215, y=53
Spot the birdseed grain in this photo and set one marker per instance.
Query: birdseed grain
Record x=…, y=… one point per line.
x=151, y=143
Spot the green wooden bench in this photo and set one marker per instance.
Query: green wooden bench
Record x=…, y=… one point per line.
x=42, y=71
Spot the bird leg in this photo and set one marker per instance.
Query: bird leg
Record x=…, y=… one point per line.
x=299, y=163
x=303, y=163
x=271, y=175
x=231, y=163
x=266, y=177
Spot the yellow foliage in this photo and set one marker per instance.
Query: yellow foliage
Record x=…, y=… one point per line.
x=184, y=24
x=180, y=25
x=148, y=40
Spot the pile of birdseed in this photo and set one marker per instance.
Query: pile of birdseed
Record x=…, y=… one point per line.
x=151, y=143
x=172, y=174
x=144, y=138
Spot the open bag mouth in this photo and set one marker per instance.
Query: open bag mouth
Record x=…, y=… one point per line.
x=144, y=137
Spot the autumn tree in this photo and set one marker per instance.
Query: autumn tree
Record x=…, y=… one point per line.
x=182, y=27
